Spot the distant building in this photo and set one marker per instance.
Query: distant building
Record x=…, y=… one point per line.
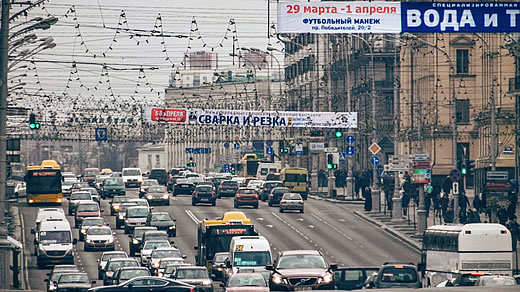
x=201, y=60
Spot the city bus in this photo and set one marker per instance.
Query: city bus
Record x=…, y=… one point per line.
x=215, y=235
x=296, y=180
x=476, y=247
x=44, y=183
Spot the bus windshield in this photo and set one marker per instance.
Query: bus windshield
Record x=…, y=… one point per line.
x=44, y=182
x=293, y=177
x=53, y=237
x=220, y=237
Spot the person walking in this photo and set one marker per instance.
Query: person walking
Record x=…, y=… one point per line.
x=428, y=190
x=477, y=202
x=367, y=194
x=388, y=187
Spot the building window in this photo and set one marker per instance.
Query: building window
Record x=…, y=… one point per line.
x=157, y=160
x=462, y=106
x=462, y=61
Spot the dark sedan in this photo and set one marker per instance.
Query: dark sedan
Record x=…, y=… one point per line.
x=183, y=186
x=157, y=195
x=276, y=195
x=149, y=284
x=204, y=194
x=162, y=221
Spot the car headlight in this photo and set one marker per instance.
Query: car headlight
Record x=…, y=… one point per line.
x=156, y=265
x=165, y=197
x=220, y=269
x=89, y=240
x=121, y=216
x=84, y=231
x=149, y=197
x=135, y=241
x=206, y=282
x=160, y=274
x=172, y=227
x=111, y=240
x=116, y=207
x=326, y=279
x=277, y=279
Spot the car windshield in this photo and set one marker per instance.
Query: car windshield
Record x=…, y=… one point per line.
x=252, y=258
x=154, y=244
x=73, y=278
x=133, y=172
x=170, y=262
x=53, y=237
x=204, y=189
x=88, y=208
x=108, y=256
x=253, y=280
x=56, y=275
x=91, y=172
x=192, y=274
x=157, y=189
x=281, y=191
x=92, y=191
x=80, y=185
x=182, y=181
x=493, y=281
x=292, y=196
x=113, y=266
x=138, y=232
x=161, y=217
x=142, y=202
x=195, y=179
x=67, y=182
x=137, y=212
x=220, y=258
x=401, y=275
x=150, y=182
x=113, y=182
x=129, y=274
x=246, y=191
x=303, y=261
x=120, y=199
x=93, y=222
x=99, y=231
x=273, y=185
x=230, y=183
x=80, y=196
x=159, y=254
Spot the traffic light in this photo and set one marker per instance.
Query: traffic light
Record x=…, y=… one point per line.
x=338, y=133
x=33, y=124
x=470, y=166
x=330, y=160
x=281, y=146
x=335, y=160
x=463, y=168
x=233, y=170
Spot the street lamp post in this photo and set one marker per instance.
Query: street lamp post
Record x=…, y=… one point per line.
x=4, y=55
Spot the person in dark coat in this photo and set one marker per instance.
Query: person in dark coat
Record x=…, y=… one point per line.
x=446, y=187
x=445, y=201
x=388, y=187
x=405, y=202
x=367, y=194
x=477, y=203
x=514, y=228
x=502, y=216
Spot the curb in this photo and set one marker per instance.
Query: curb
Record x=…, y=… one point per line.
x=396, y=234
x=351, y=202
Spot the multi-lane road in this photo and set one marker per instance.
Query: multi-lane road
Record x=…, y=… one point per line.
x=334, y=229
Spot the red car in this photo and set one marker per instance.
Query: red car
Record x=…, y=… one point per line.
x=86, y=209
x=246, y=282
x=246, y=197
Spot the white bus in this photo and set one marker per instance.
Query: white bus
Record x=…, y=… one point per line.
x=266, y=168
x=250, y=253
x=479, y=247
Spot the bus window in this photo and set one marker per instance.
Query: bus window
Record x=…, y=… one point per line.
x=290, y=177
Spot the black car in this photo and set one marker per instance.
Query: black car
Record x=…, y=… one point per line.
x=113, y=186
x=126, y=273
x=267, y=188
x=160, y=175
x=162, y=221
x=149, y=284
x=276, y=195
x=183, y=186
x=157, y=195
x=204, y=194
x=136, y=238
x=218, y=266
x=398, y=275
x=352, y=278
x=73, y=282
x=116, y=202
x=227, y=188
x=172, y=181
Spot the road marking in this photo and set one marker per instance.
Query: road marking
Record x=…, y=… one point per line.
x=192, y=216
x=26, y=280
x=270, y=226
x=260, y=219
x=300, y=219
x=341, y=220
x=331, y=226
x=290, y=226
x=311, y=226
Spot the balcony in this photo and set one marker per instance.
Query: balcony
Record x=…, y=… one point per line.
x=514, y=84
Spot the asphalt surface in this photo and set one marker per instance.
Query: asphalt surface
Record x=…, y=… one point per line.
x=331, y=228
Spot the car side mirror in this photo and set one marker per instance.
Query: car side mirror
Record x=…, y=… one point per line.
x=45, y=280
x=222, y=285
x=196, y=248
x=97, y=260
x=333, y=267
x=93, y=282
x=48, y=274
x=33, y=231
x=269, y=267
x=130, y=235
x=113, y=233
x=174, y=220
x=74, y=241
x=102, y=210
x=130, y=286
x=184, y=256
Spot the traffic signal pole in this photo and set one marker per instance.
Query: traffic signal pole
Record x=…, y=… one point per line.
x=4, y=37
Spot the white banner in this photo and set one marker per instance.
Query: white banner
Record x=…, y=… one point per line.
x=252, y=118
x=339, y=17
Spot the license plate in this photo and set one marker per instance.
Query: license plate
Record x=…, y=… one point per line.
x=184, y=186
x=302, y=288
x=204, y=199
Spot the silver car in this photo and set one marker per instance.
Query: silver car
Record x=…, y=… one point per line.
x=291, y=201
x=76, y=198
x=99, y=237
x=104, y=259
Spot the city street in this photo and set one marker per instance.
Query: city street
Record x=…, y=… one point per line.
x=333, y=229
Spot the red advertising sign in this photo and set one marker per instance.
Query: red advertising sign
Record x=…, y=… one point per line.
x=168, y=115
x=498, y=186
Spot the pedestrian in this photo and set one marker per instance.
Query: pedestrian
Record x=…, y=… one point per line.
x=444, y=206
x=446, y=187
x=367, y=194
x=428, y=198
x=502, y=216
x=477, y=203
x=388, y=187
x=405, y=202
x=436, y=198
x=514, y=228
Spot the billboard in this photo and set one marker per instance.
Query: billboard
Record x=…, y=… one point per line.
x=398, y=17
x=273, y=119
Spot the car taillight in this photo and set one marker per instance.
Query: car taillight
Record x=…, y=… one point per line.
x=192, y=289
x=256, y=196
x=283, y=201
x=195, y=194
x=301, y=202
x=212, y=193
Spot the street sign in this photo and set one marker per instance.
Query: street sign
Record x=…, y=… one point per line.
x=236, y=146
x=317, y=147
x=497, y=175
x=269, y=143
x=342, y=156
x=396, y=167
x=351, y=139
x=351, y=150
x=375, y=160
x=226, y=145
x=374, y=148
x=331, y=149
x=498, y=186
x=298, y=148
x=421, y=157
x=269, y=150
x=455, y=174
x=421, y=164
x=101, y=134
x=455, y=187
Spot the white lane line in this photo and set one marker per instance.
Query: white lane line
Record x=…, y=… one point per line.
x=26, y=280
x=270, y=226
x=192, y=216
x=331, y=226
x=260, y=219
x=341, y=220
x=290, y=226
x=300, y=219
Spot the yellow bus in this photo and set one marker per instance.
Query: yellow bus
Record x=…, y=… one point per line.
x=44, y=183
x=215, y=235
x=296, y=180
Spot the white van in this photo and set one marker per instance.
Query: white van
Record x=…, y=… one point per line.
x=55, y=243
x=132, y=177
x=47, y=214
x=266, y=168
x=251, y=253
